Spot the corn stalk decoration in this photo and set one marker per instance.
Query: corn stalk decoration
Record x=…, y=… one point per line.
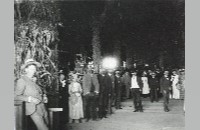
x=36, y=37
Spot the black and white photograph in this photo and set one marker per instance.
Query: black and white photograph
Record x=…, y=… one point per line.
x=99, y=64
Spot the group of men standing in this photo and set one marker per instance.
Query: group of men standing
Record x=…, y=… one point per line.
x=103, y=92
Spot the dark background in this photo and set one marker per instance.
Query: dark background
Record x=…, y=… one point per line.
x=148, y=28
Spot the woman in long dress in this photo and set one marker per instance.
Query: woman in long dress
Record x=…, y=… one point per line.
x=175, y=85
x=145, y=89
x=75, y=100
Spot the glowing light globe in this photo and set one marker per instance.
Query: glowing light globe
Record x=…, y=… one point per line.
x=109, y=63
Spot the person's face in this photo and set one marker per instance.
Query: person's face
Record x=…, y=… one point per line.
x=103, y=72
x=117, y=74
x=133, y=74
x=90, y=71
x=30, y=70
x=174, y=72
x=144, y=73
x=74, y=79
x=166, y=73
x=182, y=72
x=62, y=77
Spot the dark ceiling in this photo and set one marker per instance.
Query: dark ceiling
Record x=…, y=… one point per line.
x=153, y=25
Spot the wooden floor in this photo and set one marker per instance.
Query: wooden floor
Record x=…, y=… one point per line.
x=153, y=118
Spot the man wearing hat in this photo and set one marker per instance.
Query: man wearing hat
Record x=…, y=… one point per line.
x=104, y=93
x=27, y=90
x=165, y=85
x=126, y=78
x=111, y=99
x=63, y=102
x=136, y=88
x=154, y=87
x=118, y=89
x=90, y=94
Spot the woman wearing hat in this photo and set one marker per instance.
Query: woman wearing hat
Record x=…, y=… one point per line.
x=27, y=90
x=75, y=100
x=145, y=88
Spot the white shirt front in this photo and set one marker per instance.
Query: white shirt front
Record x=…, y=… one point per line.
x=134, y=83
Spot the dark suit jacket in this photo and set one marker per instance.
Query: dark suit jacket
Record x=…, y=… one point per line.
x=112, y=80
x=89, y=82
x=118, y=84
x=153, y=82
x=105, y=84
x=165, y=83
x=25, y=88
x=126, y=79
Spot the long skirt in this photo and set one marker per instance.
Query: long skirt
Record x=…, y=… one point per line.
x=145, y=89
x=175, y=92
x=76, y=107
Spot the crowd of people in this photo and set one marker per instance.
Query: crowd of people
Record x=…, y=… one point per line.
x=95, y=96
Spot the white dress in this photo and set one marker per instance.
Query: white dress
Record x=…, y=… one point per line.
x=145, y=89
x=75, y=101
x=175, y=89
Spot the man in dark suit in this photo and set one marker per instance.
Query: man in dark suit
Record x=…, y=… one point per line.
x=154, y=87
x=90, y=94
x=63, y=102
x=105, y=91
x=136, y=88
x=126, y=78
x=111, y=98
x=165, y=85
x=118, y=89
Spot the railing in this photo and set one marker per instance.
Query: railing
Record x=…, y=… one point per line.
x=20, y=121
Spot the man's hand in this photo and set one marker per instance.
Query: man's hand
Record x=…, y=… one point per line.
x=87, y=93
x=164, y=91
x=33, y=100
x=97, y=92
x=45, y=99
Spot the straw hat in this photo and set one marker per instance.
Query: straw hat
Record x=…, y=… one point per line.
x=30, y=62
